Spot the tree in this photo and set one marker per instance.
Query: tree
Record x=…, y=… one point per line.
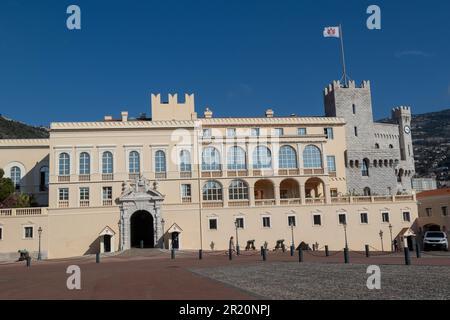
x=6, y=187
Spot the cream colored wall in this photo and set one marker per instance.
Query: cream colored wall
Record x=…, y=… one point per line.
x=435, y=203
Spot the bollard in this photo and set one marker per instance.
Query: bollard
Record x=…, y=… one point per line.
x=200, y=254
x=262, y=249
x=238, y=250
x=292, y=250
x=264, y=254
x=367, y=251
x=172, y=253
x=230, y=254
x=327, y=253
x=142, y=244
x=300, y=254
x=418, y=253
x=407, y=257
x=28, y=260
x=346, y=256
x=97, y=257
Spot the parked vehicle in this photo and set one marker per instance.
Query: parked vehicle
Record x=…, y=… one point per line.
x=435, y=240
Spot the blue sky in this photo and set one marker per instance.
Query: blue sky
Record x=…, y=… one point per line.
x=239, y=57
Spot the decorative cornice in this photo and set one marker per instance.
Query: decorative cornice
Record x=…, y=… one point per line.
x=25, y=143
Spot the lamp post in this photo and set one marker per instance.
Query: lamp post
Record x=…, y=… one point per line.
x=39, y=252
x=163, y=244
x=292, y=238
x=345, y=233
x=381, y=238
x=236, y=224
x=392, y=243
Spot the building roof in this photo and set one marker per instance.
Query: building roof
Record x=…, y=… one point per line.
x=434, y=193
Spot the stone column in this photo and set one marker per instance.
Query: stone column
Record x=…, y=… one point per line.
x=277, y=193
x=251, y=195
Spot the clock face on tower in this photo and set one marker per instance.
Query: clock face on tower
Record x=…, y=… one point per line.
x=407, y=130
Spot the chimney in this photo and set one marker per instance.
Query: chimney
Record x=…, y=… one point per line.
x=269, y=113
x=124, y=115
x=108, y=118
x=208, y=113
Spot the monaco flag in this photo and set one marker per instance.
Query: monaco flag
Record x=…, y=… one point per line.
x=332, y=32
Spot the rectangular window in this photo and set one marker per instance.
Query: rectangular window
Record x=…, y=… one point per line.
x=356, y=131
x=291, y=221
x=331, y=163
x=240, y=223
x=301, y=131
x=185, y=190
x=231, y=132
x=364, y=218
x=266, y=222
x=406, y=216
x=342, y=218
x=329, y=133
x=84, y=194
x=317, y=219
x=212, y=224
x=444, y=211
x=334, y=193
x=429, y=212
x=385, y=216
x=28, y=232
x=64, y=194
x=255, y=132
x=278, y=132
x=206, y=133
x=107, y=193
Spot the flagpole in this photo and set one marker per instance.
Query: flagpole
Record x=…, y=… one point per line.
x=341, y=36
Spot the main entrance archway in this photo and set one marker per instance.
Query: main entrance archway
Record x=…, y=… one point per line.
x=142, y=229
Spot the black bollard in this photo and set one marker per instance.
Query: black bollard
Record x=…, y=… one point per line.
x=28, y=260
x=200, y=254
x=418, y=253
x=327, y=253
x=407, y=257
x=300, y=254
x=264, y=254
x=367, y=251
x=238, y=250
x=230, y=254
x=262, y=249
x=97, y=257
x=142, y=244
x=292, y=250
x=346, y=256
x=172, y=253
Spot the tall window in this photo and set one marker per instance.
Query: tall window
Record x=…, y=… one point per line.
x=385, y=216
x=185, y=161
x=107, y=162
x=287, y=158
x=444, y=211
x=255, y=132
x=63, y=194
x=231, y=132
x=210, y=159
x=406, y=216
x=28, y=232
x=329, y=133
x=85, y=163
x=278, y=132
x=238, y=190
x=212, y=191
x=301, y=131
x=291, y=221
x=16, y=176
x=207, y=133
x=236, y=158
x=64, y=164
x=365, y=168
x=107, y=193
x=43, y=178
x=312, y=157
x=160, y=161
x=262, y=158
x=134, y=165
x=342, y=218
x=331, y=163
x=266, y=222
x=356, y=131
x=364, y=218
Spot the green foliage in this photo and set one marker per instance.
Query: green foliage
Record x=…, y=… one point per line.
x=2, y=173
x=6, y=187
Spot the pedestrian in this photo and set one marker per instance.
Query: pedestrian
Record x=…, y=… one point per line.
x=231, y=245
x=395, y=245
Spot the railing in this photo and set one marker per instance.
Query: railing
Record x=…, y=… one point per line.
x=107, y=203
x=238, y=203
x=264, y=202
x=372, y=199
x=262, y=172
x=186, y=199
x=212, y=204
x=313, y=171
x=288, y=172
x=290, y=202
x=212, y=174
x=408, y=197
x=315, y=200
x=185, y=174
x=22, y=212
x=107, y=176
x=160, y=175
x=133, y=176
x=84, y=203
x=63, y=178
x=84, y=177
x=362, y=199
x=63, y=203
x=340, y=199
x=237, y=173
x=332, y=174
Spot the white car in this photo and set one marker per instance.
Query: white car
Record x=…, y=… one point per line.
x=435, y=239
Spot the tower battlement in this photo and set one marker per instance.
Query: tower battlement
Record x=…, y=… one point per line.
x=337, y=85
x=401, y=111
x=173, y=109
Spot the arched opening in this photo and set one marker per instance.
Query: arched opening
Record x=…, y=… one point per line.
x=367, y=192
x=314, y=188
x=289, y=189
x=264, y=190
x=142, y=229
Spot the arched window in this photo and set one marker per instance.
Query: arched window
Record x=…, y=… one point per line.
x=365, y=168
x=391, y=146
x=238, y=190
x=64, y=164
x=134, y=162
x=262, y=158
x=212, y=191
x=287, y=158
x=85, y=163
x=236, y=158
x=43, y=178
x=312, y=157
x=16, y=176
x=160, y=161
x=367, y=192
x=377, y=146
x=107, y=162
x=185, y=161
x=210, y=159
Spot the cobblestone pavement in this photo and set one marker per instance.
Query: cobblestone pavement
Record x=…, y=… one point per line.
x=306, y=281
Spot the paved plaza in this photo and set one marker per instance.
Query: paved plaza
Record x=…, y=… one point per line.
x=152, y=274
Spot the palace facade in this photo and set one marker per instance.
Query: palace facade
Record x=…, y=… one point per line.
x=189, y=182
